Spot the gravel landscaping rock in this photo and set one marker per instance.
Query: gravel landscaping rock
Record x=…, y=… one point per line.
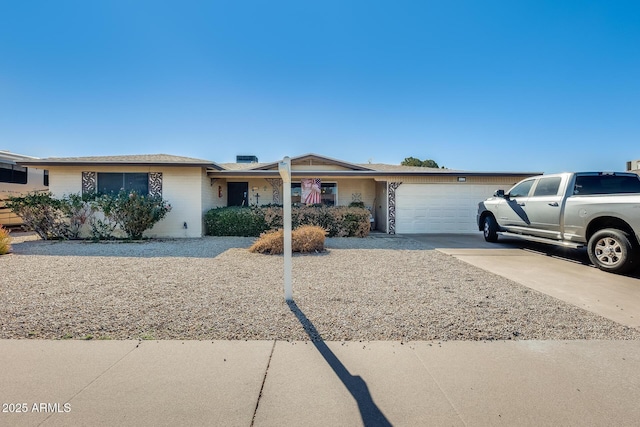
x=377, y=288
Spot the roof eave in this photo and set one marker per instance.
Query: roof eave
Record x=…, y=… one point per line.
x=41, y=163
x=371, y=173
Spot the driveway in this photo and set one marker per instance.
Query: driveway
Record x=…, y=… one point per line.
x=563, y=273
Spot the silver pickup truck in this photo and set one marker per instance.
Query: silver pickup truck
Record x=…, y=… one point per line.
x=599, y=210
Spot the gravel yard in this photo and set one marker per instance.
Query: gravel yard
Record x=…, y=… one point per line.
x=377, y=288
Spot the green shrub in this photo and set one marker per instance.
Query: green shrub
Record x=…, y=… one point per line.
x=5, y=241
x=132, y=212
x=304, y=239
x=338, y=221
x=235, y=221
x=41, y=213
x=64, y=218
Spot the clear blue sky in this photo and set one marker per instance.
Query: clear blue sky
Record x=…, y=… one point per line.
x=474, y=85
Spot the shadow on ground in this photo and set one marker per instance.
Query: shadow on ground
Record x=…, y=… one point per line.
x=369, y=412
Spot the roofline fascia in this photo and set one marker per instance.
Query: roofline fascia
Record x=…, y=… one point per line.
x=275, y=174
x=55, y=163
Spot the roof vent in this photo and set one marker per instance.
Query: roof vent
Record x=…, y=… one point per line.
x=246, y=159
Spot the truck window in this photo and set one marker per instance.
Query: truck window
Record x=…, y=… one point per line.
x=606, y=184
x=547, y=186
x=522, y=189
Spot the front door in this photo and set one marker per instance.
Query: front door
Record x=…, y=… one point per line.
x=237, y=193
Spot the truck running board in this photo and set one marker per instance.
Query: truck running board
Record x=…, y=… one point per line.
x=565, y=244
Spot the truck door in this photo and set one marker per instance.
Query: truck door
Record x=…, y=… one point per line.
x=544, y=207
x=511, y=213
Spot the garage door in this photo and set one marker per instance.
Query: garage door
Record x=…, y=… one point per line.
x=439, y=208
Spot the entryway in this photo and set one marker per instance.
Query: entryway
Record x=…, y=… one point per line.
x=237, y=193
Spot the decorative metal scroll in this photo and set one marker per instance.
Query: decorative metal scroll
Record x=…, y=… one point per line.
x=155, y=184
x=89, y=182
x=276, y=183
x=392, y=206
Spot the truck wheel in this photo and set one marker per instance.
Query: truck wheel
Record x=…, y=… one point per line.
x=611, y=250
x=490, y=229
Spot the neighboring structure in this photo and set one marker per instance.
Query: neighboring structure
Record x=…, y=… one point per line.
x=634, y=166
x=16, y=180
x=403, y=199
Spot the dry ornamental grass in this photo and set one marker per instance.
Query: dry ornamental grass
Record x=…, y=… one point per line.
x=5, y=241
x=304, y=239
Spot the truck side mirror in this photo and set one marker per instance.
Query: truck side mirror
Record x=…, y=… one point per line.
x=499, y=193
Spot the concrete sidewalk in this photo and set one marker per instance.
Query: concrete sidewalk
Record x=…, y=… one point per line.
x=266, y=383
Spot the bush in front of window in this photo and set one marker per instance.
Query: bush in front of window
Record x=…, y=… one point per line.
x=65, y=218
x=79, y=210
x=132, y=212
x=5, y=241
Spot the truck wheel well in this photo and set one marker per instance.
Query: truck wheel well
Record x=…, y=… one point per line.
x=483, y=215
x=610, y=222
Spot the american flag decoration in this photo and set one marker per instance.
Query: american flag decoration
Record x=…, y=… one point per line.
x=311, y=191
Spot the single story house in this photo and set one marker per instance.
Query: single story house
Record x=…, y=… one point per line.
x=402, y=199
x=15, y=180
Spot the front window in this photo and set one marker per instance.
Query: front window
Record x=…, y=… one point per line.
x=113, y=182
x=327, y=196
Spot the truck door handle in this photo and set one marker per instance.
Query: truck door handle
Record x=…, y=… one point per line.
x=521, y=204
x=554, y=204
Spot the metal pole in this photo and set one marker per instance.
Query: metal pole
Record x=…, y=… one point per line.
x=285, y=172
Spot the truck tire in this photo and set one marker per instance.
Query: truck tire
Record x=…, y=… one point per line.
x=611, y=250
x=490, y=229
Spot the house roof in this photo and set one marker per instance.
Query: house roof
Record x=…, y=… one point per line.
x=127, y=160
x=312, y=159
x=266, y=170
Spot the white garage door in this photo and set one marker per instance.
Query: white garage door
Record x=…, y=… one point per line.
x=439, y=208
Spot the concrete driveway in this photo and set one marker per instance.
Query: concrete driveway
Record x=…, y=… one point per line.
x=563, y=273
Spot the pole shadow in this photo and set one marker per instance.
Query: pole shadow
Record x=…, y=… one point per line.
x=369, y=412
